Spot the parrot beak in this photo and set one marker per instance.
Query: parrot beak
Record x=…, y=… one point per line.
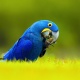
x=50, y=36
x=55, y=36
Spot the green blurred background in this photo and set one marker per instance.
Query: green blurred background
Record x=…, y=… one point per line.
x=17, y=15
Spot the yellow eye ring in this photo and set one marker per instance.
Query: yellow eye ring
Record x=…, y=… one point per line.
x=50, y=24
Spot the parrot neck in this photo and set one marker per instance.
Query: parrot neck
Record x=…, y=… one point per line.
x=37, y=29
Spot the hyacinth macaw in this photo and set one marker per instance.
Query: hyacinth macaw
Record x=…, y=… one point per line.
x=33, y=43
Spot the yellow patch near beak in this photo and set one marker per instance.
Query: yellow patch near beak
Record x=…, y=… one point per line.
x=46, y=29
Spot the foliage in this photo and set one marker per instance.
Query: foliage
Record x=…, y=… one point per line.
x=41, y=70
x=17, y=15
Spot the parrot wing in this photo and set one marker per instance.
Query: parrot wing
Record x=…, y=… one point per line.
x=24, y=47
x=20, y=50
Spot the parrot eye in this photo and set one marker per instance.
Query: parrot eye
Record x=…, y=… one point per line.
x=50, y=24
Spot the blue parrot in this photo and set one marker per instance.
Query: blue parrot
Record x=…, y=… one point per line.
x=34, y=41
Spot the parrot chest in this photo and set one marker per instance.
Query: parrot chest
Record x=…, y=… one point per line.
x=37, y=46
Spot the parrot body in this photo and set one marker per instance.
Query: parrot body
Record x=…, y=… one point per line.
x=30, y=45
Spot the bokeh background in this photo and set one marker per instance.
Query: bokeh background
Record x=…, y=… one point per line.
x=17, y=15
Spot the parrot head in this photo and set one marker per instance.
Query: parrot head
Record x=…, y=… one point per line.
x=45, y=30
x=48, y=29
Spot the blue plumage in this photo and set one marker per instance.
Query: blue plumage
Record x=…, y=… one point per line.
x=30, y=44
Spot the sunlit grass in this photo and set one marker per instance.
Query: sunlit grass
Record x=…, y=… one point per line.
x=42, y=69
